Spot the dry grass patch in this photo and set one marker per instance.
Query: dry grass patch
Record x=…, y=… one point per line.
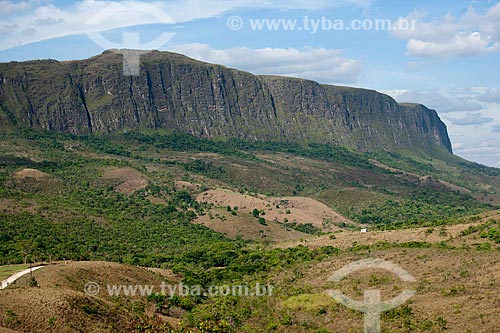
x=456, y=291
x=59, y=304
x=8, y=270
x=347, y=238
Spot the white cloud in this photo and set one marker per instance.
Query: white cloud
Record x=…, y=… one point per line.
x=319, y=64
x=453, y=101
x=486, y=152
x=490, y=95
x=461, y=44
x=47, y=21
x=471, y=34
x=8, y=7
x=471, y=119
x=479, y=141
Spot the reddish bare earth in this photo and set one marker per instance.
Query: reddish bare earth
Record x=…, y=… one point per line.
x=278, y=211
x=129, y=180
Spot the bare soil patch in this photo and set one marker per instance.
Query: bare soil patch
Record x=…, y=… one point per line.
x=30, y=173
x=246, y=226
x=130, y=180
x=184, y=185
x=298, y=210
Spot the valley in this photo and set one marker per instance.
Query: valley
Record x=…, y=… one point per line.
x=208, y=212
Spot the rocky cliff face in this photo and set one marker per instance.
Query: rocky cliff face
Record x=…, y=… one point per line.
x=173, y=91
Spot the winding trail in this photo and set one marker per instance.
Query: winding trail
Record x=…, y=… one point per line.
x=14, y=277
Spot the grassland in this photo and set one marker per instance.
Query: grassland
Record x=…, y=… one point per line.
x=8, y=270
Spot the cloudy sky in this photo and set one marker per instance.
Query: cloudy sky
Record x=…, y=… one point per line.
x=444, y=54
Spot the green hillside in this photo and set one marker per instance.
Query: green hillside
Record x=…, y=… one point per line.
x=69, y=209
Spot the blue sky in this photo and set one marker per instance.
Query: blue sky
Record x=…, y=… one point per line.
x=448, y=59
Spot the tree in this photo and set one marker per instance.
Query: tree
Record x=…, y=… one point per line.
x=26, y=248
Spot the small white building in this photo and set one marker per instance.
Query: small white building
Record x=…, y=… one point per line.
x=364, y=230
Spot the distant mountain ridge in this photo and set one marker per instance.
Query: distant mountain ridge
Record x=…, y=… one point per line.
x=206, y=100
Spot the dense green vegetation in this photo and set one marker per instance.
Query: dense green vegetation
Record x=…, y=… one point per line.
x=423, y=208
x=175, y=140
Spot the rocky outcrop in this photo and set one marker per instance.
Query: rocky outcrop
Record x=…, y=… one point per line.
x=176, y=92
